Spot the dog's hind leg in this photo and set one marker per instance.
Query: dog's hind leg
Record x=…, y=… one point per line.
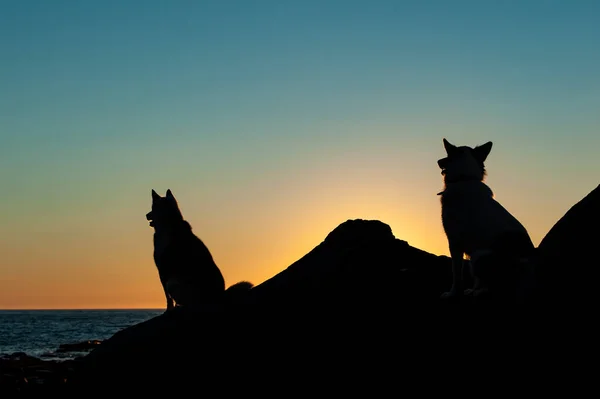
x=170, y=303
x=475, y=264
x=476, y=280
x=457, y=278
x=479, y=287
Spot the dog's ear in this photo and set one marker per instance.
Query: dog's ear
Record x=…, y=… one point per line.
x=170, y=195
x=155, y=196
x=449, y=147
x=482, y=151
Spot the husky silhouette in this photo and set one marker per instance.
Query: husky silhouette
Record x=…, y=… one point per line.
x=187, y=271
x=476, y=225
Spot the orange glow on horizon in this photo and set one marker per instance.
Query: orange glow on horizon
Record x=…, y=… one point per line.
x=126, y=278
x=100, y=256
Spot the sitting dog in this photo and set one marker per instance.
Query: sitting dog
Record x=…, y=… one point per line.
x=477, y=226
x=187, y=271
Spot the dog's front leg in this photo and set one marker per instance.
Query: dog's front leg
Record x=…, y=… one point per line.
x=457, y=269
x=170, y=303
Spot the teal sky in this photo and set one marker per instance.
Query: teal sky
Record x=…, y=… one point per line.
x=272, y=122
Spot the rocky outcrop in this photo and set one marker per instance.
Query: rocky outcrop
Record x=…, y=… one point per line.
x=360, y=268
x=21, y=374
x=79, y=346
x=330, y=319
x=360, y=263
x=568, y=258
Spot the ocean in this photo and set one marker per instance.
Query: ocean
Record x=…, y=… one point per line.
x=40, y=332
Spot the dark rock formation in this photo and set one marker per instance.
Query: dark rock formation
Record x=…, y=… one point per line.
x=345, y=301
x=79, y=346
x=360, y=263
x=21, y=374
x=568, y=257
x=336, y=319
x=359, y=269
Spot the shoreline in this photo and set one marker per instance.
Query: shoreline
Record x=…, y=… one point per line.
x=64, y=352
x=23, y=373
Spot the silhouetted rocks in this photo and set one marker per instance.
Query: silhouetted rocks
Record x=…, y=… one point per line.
x=347, y=299
x=358, y=232
x=331, y=318
x=360, y=263
x=21, y=374
x=359, y=271
x=568, y=256
x=79, y=346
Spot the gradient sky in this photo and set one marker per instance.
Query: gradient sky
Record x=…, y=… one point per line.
x=273, y=122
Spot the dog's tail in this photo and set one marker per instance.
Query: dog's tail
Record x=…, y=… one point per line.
x=237, y=291
x=241, y=286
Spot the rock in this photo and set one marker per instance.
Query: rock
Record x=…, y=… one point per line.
x=79, y=346
x=568, y=257
x=21, y=374
x=18, y=360
x=341, y=310
x=359, y=267
x=337, y=311
x=359, y=231
x=359, y=261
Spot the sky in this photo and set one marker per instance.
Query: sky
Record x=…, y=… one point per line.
x=272, y=122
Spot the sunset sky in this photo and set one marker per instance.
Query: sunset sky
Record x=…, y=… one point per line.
x=272, y=122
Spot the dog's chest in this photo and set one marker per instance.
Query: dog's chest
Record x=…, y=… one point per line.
x=472, y=218
x=161, y=243
x=163, y=246
x=181, y=252
x=460, y=219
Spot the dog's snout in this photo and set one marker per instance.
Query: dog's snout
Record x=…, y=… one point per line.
x=442, y=163
x=149, y=216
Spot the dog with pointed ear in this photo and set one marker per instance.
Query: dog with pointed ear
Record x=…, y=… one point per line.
x=467, y=163
x=477, y=226
x=187, y=271
x=165, y=210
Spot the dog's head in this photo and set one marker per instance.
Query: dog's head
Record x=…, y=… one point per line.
x=464, y=163
x=165, y=210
